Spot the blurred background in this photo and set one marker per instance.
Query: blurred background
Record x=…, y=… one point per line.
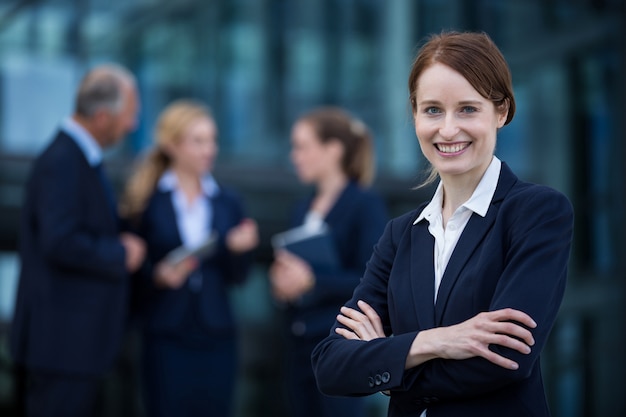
x=260, y=63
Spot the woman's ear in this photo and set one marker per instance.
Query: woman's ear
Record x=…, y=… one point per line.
x=335, y=148
x=503, y=112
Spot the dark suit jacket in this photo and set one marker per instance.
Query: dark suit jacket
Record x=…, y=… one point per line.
x=165, y=311
x=71, y=303
x=516, y=257
x=356, y=222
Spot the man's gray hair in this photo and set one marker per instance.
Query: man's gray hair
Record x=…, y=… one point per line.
x=102, y=89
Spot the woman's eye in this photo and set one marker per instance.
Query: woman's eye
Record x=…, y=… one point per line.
x=432, y=110
x=469, y=109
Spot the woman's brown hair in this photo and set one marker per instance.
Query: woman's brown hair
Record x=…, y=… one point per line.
x=477, y=58
x=333, y=123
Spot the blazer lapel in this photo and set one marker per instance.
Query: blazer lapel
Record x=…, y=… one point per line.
x=220, y=215
x=474, y=232
x=165, y=208
x=341, y=207
x=470, y=239
x=422, y=274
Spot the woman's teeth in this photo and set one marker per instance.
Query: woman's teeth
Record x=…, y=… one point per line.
x=457, y=147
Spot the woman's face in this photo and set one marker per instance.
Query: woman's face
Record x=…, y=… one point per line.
x=311, y=158
x=455, y=125
x=197, y=147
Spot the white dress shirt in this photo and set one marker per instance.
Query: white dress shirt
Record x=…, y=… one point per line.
x=193, y=218
x=447, y=238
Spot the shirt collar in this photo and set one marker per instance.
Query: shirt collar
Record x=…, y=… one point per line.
x=85, y=141
x=483, y=194
x=169, y=182
x=434, y=207
x=479, y=201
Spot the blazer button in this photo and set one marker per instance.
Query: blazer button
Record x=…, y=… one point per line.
x=386, y=377
x=377, y=379
x=370, y=382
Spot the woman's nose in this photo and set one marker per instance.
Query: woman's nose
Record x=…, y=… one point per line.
x=449, y=128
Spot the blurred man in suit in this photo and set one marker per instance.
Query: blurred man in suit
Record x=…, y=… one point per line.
x=72, y=299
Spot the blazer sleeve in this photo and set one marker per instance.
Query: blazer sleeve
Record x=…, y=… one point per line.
x=75, y=236
x=536, y=229
x=354, y=368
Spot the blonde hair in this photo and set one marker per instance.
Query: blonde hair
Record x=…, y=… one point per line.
x=333, y=123
x=171, y=124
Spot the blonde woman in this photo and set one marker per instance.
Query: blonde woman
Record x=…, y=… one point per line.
x=189, y=347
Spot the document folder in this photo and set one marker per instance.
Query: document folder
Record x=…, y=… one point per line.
x=201, y=252
x=317, y=247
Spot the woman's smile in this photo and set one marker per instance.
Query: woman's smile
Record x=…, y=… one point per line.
x=452, y=149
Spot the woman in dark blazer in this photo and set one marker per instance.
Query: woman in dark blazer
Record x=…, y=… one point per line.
x=189, y=347
x=332, y=151
x=469, y=284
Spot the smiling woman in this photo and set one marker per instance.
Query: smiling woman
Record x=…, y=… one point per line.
x=470, y=283
x=456, y=126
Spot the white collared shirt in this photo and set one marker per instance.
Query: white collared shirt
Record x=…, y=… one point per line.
x=194, y=219
x=85, y=141
x=446, y=239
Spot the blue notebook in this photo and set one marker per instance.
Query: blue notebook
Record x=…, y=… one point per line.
x=317, y=247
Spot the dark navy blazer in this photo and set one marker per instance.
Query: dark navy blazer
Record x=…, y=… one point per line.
x=165, y=310
x=71, y=306
x=516, y=256
x=356, y=220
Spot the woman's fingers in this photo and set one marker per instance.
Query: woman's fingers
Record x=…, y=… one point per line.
x=174, y=276
x=510, y=342
x=347, y=334
x=508, y=328
x=499, y=360
x=364, y=325
x=515, y=315
x=373, y=317
x=515, y=332
x=509, y=322
x=357, y=322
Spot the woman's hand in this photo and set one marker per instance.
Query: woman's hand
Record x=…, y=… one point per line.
x=471, y=338
x=243, y=237
x=173, y=276
x=290, y=276
x=361, y=325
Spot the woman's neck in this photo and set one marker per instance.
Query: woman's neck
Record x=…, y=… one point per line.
x=327, y=192
x=189, y=184
x=456, y=191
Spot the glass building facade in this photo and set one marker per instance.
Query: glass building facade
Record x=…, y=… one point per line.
x=260, y=63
